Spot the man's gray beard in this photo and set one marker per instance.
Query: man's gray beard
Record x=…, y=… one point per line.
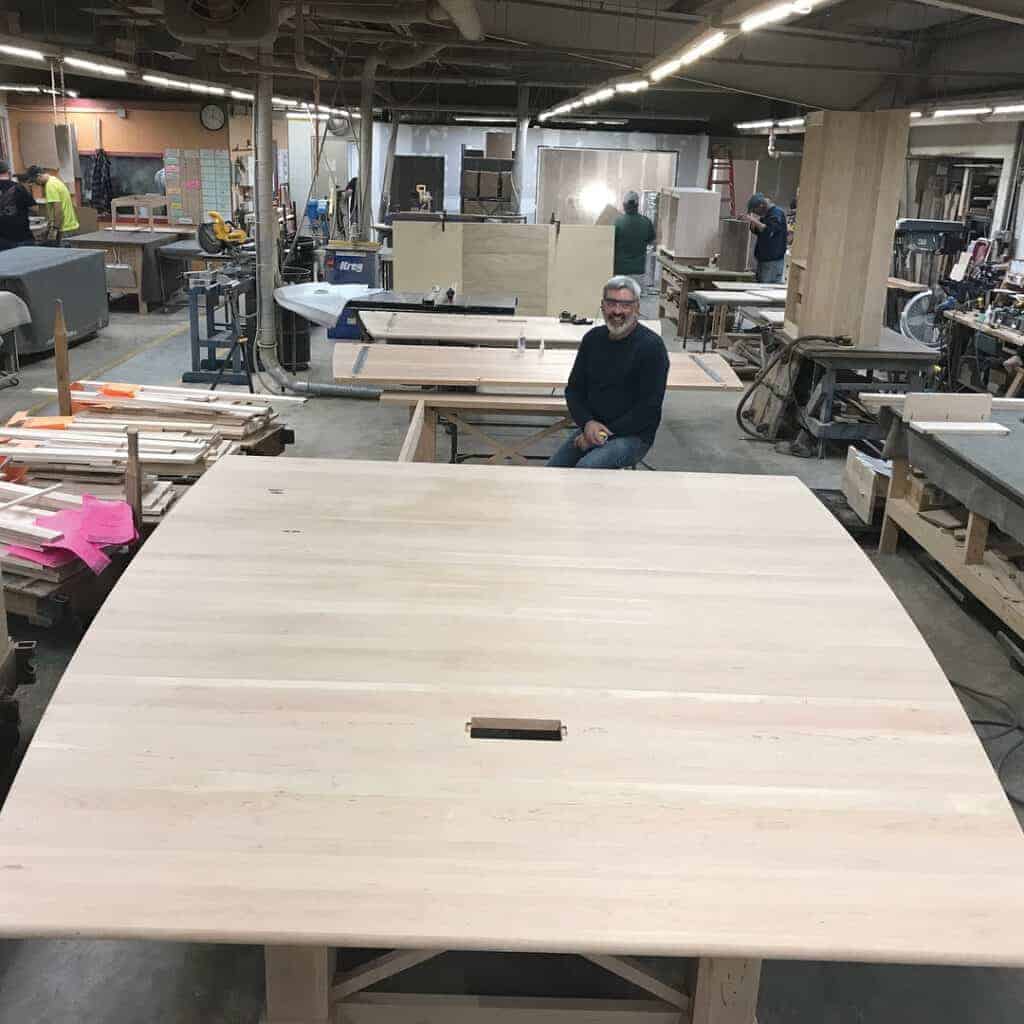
x=617, y=334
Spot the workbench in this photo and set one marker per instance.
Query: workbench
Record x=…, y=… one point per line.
x=475, y=329
x=39, y=276
x=984, y=474
x=330, y=785
x=133, y=267
x=1006, y=342
x=716, y=305
x=677, y=280
x=842, y=371
x=451, y=367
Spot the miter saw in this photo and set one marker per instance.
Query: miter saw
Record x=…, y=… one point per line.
x=220, y=236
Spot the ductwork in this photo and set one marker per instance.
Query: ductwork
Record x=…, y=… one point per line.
x=466, y=17
x=402, y=60
x=462, y=13
x=301, y=63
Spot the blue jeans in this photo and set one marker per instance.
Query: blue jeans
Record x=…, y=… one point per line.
x=770, y=271
x=615, y=453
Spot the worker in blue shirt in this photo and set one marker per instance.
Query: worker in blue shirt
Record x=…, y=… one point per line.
x=768, y=222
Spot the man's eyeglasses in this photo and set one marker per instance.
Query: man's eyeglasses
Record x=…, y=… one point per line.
x=626, y=304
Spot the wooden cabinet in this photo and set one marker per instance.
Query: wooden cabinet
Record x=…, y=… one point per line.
x=849, y=202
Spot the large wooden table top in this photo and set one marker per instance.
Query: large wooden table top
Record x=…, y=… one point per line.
x=454, y=366
x=808, y=787
x=491, y=331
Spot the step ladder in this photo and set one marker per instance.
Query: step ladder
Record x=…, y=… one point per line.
x=721, y=173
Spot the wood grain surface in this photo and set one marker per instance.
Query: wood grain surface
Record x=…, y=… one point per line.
x=806, y=786
x=489, y=331
x=452, y=366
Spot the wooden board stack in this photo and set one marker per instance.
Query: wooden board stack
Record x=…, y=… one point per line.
x=234, y=416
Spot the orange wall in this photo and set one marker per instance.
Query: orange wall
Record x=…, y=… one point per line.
x=150, y=128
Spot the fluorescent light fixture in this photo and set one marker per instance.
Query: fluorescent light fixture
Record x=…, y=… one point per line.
x=597, y=97
x=638, y=86
x=1016, y=108
x=99, y=69
x=704, y=47
x=915, y=114
x=164, y=83
x=282, y=102
x=963, y=112
x=238, y=94
x=207, y=90
x=768, y=16
x=746, y=126
x=666, y=69
x=57, y=92
x=792, y=122
x=300, y=115
x=590, y=123
x=19, y=51
x=483, y=120
x=694, y=53
x=20, y=88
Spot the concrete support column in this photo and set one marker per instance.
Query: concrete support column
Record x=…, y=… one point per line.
x=366, y=149
x=522, y=128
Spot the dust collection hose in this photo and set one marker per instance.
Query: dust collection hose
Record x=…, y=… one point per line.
x=762, y=374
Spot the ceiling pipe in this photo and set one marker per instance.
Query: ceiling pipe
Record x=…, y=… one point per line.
x=302, y=63
x=400, y=60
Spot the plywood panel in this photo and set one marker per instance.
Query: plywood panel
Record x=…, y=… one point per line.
x=511, y=257
x=583, y=258
x=453, y=366
x=574, y=185
x=426, y=255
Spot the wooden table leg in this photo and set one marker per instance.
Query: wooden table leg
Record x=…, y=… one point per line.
x=726, y=991
x=976, y=540
x=899, y=484
x=298, y=984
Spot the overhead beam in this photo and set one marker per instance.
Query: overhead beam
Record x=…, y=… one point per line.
x=674, y=17
x=997, y=10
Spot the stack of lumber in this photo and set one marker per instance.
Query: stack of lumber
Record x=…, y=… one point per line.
x=234, y=416
x=99, y=448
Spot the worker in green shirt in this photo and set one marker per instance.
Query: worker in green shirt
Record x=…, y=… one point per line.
x=60, y=210
x=633, y=233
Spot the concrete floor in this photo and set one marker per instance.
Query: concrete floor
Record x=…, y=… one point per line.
x=43, y=982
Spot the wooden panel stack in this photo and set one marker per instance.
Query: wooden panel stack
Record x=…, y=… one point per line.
x=234, y=416
x=849, y=199
x=550, y=268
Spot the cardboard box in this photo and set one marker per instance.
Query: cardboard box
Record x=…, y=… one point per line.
x=470, y=184
x=488, y=185
x=865, y=483
x=505, y=184
x=499, y=145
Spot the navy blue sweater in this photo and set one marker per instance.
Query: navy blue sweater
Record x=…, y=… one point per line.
x=619, y=383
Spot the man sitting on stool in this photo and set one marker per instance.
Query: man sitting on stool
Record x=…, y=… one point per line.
x=616, y=387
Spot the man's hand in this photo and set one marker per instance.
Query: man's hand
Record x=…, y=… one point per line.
x=595, y=434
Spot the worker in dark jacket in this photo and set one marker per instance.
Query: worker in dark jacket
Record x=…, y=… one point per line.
x=15, y=202
x=633, y=233
x=616, y=387
x=768, y=222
